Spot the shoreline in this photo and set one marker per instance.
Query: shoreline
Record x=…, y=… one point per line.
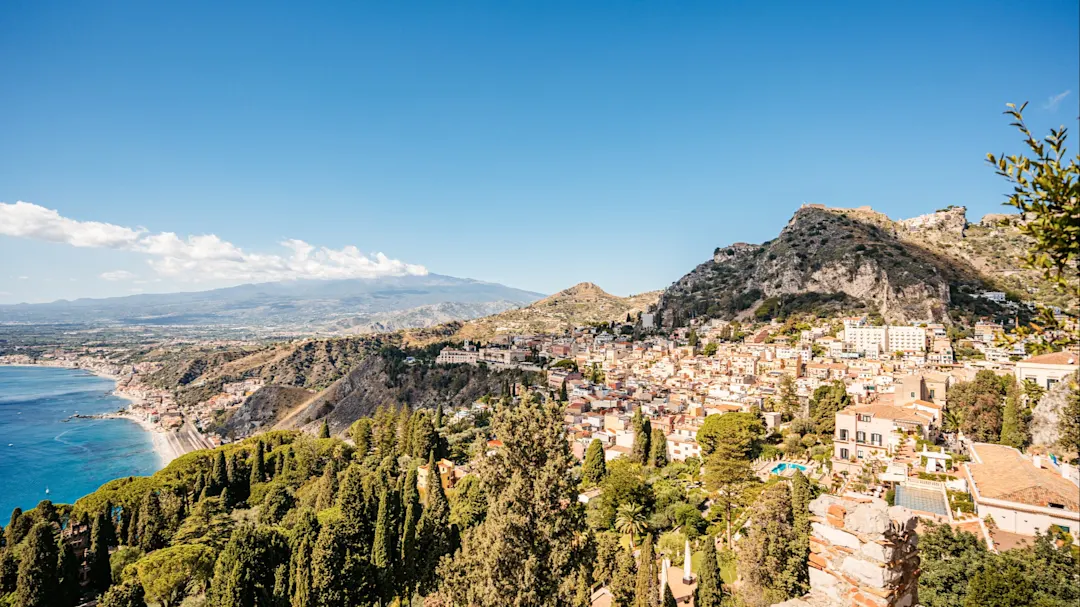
x=167, y=445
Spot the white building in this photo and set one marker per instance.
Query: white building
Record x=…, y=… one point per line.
x=1047, y=369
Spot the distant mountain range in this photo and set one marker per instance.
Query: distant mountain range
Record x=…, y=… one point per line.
x=333, y=306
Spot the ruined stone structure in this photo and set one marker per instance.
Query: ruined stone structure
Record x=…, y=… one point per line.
x=862, y=554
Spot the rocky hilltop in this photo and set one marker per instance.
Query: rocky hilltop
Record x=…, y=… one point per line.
x=829, y=260
x=581, y=304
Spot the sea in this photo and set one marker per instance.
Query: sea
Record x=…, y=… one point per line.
x=46, y=455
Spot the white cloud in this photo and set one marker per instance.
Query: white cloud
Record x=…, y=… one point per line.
x=199, y=257
x=1053, y=102
x=117, y=275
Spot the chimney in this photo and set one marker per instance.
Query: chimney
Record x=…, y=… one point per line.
x=688, y=576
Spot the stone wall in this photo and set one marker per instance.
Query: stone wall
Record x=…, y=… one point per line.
x=862, y=553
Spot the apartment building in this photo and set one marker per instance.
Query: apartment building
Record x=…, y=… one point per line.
x=1046, y=369
x=869, y=431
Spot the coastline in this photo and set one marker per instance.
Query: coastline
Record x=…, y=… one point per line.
x=167, y=445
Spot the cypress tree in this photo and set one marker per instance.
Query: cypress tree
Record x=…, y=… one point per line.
x=98, y=557
x=438, y=416
x=227, y=498
x=220, y=476
x=361, y=435
x=109, y=525
x=1014, y=431
x=328, y=487
x=68, y=571
x=18, y=527
x=197, y=488
x=710, y=589
x=329, y=561
x=324, y=430
x=657, y=448
x=248, y=572
x=423, y=435
x=132, y=536
x=258, y=465
x=9, y=571
x=669, y=599
x=563, y=396
x=409, y=553
x=151, y=524
x=353, y=503
x=622, y=583
x=594, y=469
x=647, y=590
x=642, y=434
x=38, y=581
x=382, y=549
x=305, y=536
x=435, y=529
x=231, y=470
x=800, y=512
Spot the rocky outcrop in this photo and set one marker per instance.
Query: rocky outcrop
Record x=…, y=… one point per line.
x=854, y=256
x=1046, y=416
x=862, y=553
x=952, y=219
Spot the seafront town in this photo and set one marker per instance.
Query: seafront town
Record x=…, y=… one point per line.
x=895, y=437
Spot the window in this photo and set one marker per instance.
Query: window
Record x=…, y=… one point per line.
x=931, y=394
x=861, y=454
x=844, y=454
x=875, y=439
x=1050, y=383
x=843, y=434
x=865, y=418
x=860, y=436
x=912, y=395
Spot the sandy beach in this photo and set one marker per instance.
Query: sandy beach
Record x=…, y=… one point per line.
x=167, y=444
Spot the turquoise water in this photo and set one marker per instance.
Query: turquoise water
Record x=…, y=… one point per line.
x=782, y=466
x=72, y=458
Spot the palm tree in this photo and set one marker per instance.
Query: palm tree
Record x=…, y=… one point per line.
x=630, y=519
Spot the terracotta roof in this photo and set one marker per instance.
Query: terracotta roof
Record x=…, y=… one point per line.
x=889, y=412
x=926, y=403
x=1053, y=358
x=1005, y=474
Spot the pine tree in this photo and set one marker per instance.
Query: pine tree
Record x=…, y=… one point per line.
x=766, y=555
x=382, y=549
x=647, y=590
x=38, y=582
x=98, y=558
x=128, y=594
x=248, y=570
x=710, y=590
x=528, y=545
x=409, y=546
x=658, y=448
x=594, y=469
x=151, y=524
x=220, y=478
x=258, y=465
x=324, y=430
x=305, y=536
x=68, y=589
x=46, y=511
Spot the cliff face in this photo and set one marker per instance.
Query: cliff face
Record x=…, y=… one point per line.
x=829, y=260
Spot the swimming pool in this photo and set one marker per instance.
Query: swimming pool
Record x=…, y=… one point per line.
x=784, y=466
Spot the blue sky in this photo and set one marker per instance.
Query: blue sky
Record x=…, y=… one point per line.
x=533, y=144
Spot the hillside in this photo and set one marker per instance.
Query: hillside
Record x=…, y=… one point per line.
x=385, y=379
x=842, y=260
x=581, y=304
